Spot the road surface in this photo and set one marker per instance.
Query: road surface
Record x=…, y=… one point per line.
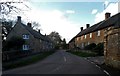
x=60, y=62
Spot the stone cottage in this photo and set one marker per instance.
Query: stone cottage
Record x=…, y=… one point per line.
x=106, y=31
x=93, y=34
x=34, y=40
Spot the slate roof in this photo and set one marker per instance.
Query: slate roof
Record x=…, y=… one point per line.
x=36, y=34
x=112, y=21
x=85, y=31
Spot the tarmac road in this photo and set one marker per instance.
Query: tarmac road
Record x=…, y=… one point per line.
x=60, y=62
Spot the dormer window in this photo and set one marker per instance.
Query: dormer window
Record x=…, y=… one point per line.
x=25, y=36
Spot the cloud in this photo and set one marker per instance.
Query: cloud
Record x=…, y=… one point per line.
x=94, y=11
x=51, y=20
x=111, y=8
x=70, y=11
x=106, y=3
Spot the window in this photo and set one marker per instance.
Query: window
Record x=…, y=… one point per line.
x=98, y=33
x=90, y=35
x=26, y=36
x=25, y=47
x=85, y=36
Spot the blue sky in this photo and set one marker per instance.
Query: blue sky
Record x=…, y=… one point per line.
x=66, y=16
x=82, y=9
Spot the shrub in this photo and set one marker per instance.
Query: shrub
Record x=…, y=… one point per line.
x=14, y=43
x=99, y=49
x=90, y=46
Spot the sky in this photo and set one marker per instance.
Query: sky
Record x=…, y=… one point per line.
x=66, y=16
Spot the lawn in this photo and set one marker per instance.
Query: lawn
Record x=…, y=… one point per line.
x=26, y=61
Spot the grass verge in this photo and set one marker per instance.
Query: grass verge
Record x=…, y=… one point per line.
x=83, y=53
x=26, y=61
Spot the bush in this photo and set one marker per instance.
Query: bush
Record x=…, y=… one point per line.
x=99, y=49
x=90, y=46
x=14, y=43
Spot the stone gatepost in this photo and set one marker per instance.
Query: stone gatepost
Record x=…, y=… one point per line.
x=112, y=47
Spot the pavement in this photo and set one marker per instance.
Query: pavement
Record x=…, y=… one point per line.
x=99, y=60
x=60, y=62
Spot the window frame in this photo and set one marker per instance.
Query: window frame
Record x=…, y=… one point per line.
x=25, y=47
x=98, y=33
x=90, y=35
x=26, y=36
x=85, y=36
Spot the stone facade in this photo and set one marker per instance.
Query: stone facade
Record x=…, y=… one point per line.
x=89, y=38
x=109, y=34
x=112, y=47
x=37, y=42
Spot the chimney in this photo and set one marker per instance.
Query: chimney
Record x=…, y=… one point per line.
x=39, y=30
x=87, y=25
x=107, y=15
x=81, y=28
x=29, y=24
x=19, y=19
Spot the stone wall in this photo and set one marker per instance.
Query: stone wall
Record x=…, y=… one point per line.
x=82, y=41
x=112, y=47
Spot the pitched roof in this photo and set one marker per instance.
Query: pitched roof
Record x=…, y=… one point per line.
x=35, y=33
x=112, y=21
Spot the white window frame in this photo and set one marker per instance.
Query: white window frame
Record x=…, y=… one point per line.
x=25, y=36
x=90, y=35
x=85, y=36
x=98, y=33
x=26, y=47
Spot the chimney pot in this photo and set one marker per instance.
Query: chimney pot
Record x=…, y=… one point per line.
x=39, y=30
x=87, y=25
x=19, y=18
x=45, y=35
x=29, y=24
x=107, y=15
x=81, y=28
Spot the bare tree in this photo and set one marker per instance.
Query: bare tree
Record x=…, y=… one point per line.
x=36, y=25
x=6, y=6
